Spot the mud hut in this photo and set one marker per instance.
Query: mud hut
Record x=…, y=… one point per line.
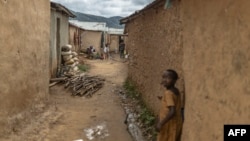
x=59, y=32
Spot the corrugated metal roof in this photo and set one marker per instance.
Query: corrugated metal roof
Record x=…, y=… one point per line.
x=115, y=31
x=96, y=26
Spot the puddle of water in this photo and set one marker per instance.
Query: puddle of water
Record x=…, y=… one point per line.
x=98, y=131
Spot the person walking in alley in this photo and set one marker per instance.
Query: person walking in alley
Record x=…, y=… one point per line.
x=121, y=49
x=106, y=51
x=170, y=120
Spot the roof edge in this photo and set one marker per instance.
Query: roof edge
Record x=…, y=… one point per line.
x=137, y=13
x=62, y=8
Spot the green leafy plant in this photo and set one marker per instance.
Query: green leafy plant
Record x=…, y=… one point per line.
x=83, y=68
x=131, y=90
x=146, y=117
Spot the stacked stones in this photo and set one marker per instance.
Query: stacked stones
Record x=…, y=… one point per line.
x=70, y=60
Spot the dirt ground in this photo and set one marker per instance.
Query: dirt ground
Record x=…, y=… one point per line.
x=69, y=117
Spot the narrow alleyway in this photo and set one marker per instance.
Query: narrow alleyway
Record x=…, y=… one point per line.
x=102, y=109
x=70, y=118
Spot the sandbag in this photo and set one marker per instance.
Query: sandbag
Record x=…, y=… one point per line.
x=75, y=68
x=65, y=49
x=72, y=65
x=67, y=57
x=70, y=62
x=67, y=46
x=66, y=52
x=76, y=59
x=74, y=54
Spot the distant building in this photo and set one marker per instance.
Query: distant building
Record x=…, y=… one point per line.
x=95, y=26
x=59, y=32
x=96, y=34
x=75, y=38
x=114, y=37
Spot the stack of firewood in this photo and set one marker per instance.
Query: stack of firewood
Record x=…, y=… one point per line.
x=84, y=85
x=70, y=60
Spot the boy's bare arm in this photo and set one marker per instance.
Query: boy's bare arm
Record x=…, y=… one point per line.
x=166, y=119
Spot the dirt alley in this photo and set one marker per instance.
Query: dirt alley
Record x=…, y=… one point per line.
x=79, y=113
x=104, y=107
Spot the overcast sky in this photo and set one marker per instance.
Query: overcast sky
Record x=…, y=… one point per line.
x=106, y=8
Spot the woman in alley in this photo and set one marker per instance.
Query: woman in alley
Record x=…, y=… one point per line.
x=170, y=121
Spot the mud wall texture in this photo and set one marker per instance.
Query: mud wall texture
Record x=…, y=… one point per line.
x=153, y=49
x=216, y=39
x=91, y=38
x=24, y=60
x=75, y=37
x=73, y=32
x=114, y=43
x=59, y=32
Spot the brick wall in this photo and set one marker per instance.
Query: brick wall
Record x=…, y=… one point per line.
x=154, y=45
x=92, y=38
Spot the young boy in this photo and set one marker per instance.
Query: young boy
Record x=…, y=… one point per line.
x=170, y=120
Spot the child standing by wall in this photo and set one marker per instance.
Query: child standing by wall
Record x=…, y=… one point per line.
x=170, y=120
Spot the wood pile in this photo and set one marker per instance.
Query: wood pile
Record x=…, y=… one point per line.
x=84, y=85
x=80, y=85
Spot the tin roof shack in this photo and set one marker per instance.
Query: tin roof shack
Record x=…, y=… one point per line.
x=24, y=62
x=154, y=43
x=113, y=40
x=216, y=66
x=75, y=38
x=92, y=38
x=114, y=37
x=59, y=32
x=93, y=34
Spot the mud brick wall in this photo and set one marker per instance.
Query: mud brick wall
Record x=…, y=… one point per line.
x=91, y=38
x=114, y=43
x=216, y=44
x=24, y=60
x=73, y=39
x=154, y=45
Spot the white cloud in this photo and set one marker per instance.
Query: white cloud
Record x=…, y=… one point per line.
x=106, y=8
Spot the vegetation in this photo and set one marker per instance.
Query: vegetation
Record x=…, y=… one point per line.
x=146, y=117
x=83, y=67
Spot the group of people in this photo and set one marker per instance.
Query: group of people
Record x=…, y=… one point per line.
x=106, y=51
x=90, y=52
